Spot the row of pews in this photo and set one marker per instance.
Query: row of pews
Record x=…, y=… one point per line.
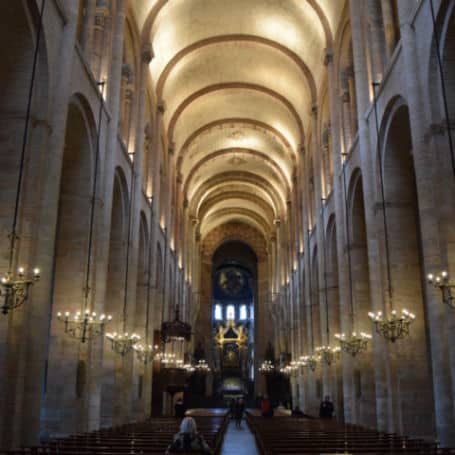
x=148, y=438
x=290, y=435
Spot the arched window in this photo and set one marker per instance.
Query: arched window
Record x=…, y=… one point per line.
x=218, y=313
x=230, y=313
x=243, y=313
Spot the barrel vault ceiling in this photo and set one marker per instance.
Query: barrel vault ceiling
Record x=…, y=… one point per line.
x=238, y=79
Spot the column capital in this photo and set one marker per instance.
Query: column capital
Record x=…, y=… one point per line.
x=171, y=147
x=314, y=110
x=147, y=53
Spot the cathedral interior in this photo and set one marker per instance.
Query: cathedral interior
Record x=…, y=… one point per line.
x=209, y=199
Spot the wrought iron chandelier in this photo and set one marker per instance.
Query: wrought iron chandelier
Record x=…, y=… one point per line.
x=356, y=343
x=84, y=325
x=175, y=330
x=202, y=367
x=123, y=343
x=15, y=286
x=328, y=354
x=443, y=283
x=310, y=361
x=267, y=367
x=145, y=352
x=394, y=326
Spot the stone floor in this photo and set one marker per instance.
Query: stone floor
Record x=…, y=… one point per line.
x=239, y=441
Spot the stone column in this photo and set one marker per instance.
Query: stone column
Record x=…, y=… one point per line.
x=98, y=44
x=437, y=314
x=345, y=323
x=381, y=365
x=22, y=426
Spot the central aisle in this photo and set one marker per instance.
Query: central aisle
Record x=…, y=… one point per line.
x=239, y=441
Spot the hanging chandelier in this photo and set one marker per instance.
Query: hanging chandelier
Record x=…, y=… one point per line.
x=15, y=287
x=202, y=367
x=267, y=367
x=145, y=352
x=84, y=326
x=354, y=344
x=14, y=290
x=328, y=354
x=122, y=343
x=443, y=283
x=310, y=361
x=393, y=327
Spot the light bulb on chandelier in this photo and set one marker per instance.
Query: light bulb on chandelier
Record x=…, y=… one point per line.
x=442, y=282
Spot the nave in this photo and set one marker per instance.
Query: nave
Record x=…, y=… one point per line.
x=214, y=203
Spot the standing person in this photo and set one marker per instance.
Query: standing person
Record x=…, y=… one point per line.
x=239, y=409
x=326, y=409
x=188, y=439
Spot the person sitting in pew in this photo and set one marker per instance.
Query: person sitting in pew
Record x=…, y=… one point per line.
x=188, y=440
x=326, y=409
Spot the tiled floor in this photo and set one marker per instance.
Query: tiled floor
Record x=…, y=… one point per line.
x=239, y=441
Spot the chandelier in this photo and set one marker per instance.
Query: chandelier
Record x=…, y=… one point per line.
x=14, y=288
x=446, y=287
x=84, y=326
x=145, y=352
x=310, y=361
x=202, y=367
x=267, y=367
x=354, y=344
x=393, y=327
x=328, y=354
x=122, y=343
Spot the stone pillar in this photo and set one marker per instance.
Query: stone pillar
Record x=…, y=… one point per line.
x=99, y=40
x=436, y=313
x=383, y=389
x=23, y=425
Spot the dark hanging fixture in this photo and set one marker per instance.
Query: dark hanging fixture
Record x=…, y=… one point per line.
x=328, y=354
x=310, y=360
x=15, y=285
x=396, y=325
x=145, y=352
x=356, y=342
x=123, y=343
x=85, y=324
